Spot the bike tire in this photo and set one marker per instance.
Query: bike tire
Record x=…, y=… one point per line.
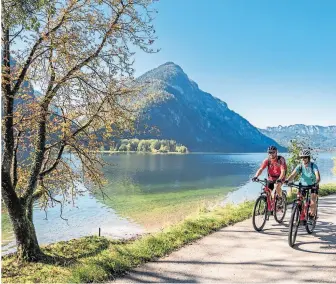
x=294, y=225
x=260, y=204
x=281, y=217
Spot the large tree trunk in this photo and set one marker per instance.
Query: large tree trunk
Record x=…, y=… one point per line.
x=26, y=240
x=20, y=210
x=21, y=216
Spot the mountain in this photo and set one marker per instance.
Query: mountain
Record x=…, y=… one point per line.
x=182, y=112
x=322, y=137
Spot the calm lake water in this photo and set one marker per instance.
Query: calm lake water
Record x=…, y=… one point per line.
x=151, y=191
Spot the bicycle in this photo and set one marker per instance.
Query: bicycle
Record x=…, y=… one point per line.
x=265, y=206
x=300, y=212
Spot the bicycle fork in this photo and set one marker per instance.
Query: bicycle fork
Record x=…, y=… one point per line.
x=270, y=205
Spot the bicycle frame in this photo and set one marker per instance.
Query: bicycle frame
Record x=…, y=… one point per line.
x=300, y=212
x=266, y=190
x=302, y=199
x=270, y=201
x=265, y=206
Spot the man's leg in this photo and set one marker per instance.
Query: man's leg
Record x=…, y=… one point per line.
x=278, y=189
x=270, y=185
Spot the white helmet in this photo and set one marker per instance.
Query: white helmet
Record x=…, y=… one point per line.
x=305, y=153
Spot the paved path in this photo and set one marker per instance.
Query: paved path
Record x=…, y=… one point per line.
x=238, y=254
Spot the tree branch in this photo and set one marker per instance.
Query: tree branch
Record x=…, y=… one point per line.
x=49, y=96
x=32, y=52
x=14, y=36
x=39, y=154
x=59, y=155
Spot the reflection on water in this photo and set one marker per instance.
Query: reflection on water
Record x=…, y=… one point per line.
x=83, y=219
x=158, y=173
x=156, y=189
x=172, y=173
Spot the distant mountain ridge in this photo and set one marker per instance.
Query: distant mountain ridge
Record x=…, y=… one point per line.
x=322, y=137
x=188, y=115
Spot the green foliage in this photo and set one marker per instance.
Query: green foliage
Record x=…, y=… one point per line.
x=144, y=146
x=155, y=145
x=24, y=13
x=325, y=189
x=164, y=149
x=123, y=148
x=149, y=146
x=181, y=149
x=294, y=148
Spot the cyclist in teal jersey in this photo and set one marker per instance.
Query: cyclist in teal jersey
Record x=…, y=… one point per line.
x=310, y=175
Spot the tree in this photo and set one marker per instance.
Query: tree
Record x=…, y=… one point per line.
x=144, y=146
x=78, y=55
x=181, y=149
x=294, y=149
x=155, y=145
x=164, y=148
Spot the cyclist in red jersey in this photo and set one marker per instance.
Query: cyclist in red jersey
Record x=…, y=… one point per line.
x=276, y=170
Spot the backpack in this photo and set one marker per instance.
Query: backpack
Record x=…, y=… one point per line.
x=311, y=166
x=278, y=160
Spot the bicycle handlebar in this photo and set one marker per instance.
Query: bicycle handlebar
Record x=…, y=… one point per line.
x=292, y=184
x=262, y=181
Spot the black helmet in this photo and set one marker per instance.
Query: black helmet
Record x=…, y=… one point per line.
x=272, y=148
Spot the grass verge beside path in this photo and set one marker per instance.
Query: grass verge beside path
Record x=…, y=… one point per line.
x=97, y=259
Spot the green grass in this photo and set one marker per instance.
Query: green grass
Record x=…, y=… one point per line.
x=325, y=189
x=6, y=228
x=96, y=259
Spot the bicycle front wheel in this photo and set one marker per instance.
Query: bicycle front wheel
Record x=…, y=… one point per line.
x=293, y=225
x=259, y=213
x=280, y=209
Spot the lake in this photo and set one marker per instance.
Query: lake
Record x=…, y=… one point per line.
x=147, y=192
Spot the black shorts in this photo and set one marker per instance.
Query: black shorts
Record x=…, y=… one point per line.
x=315, y=189
x=270, y=184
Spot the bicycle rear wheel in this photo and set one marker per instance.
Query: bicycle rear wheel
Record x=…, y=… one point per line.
x=259, y=213
x=311, y=222
x=293, y=225
x=280, y=209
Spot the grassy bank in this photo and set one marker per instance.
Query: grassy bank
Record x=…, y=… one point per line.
x=96, y=259
x=6, y=228
x=325, y=189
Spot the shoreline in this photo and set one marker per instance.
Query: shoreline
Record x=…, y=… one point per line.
x=97, y=259
x=140, y=152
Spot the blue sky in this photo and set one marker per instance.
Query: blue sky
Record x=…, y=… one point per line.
x=272, y=61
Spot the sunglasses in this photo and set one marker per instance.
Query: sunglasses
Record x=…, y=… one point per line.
x=304, y=157
x=273, y=152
